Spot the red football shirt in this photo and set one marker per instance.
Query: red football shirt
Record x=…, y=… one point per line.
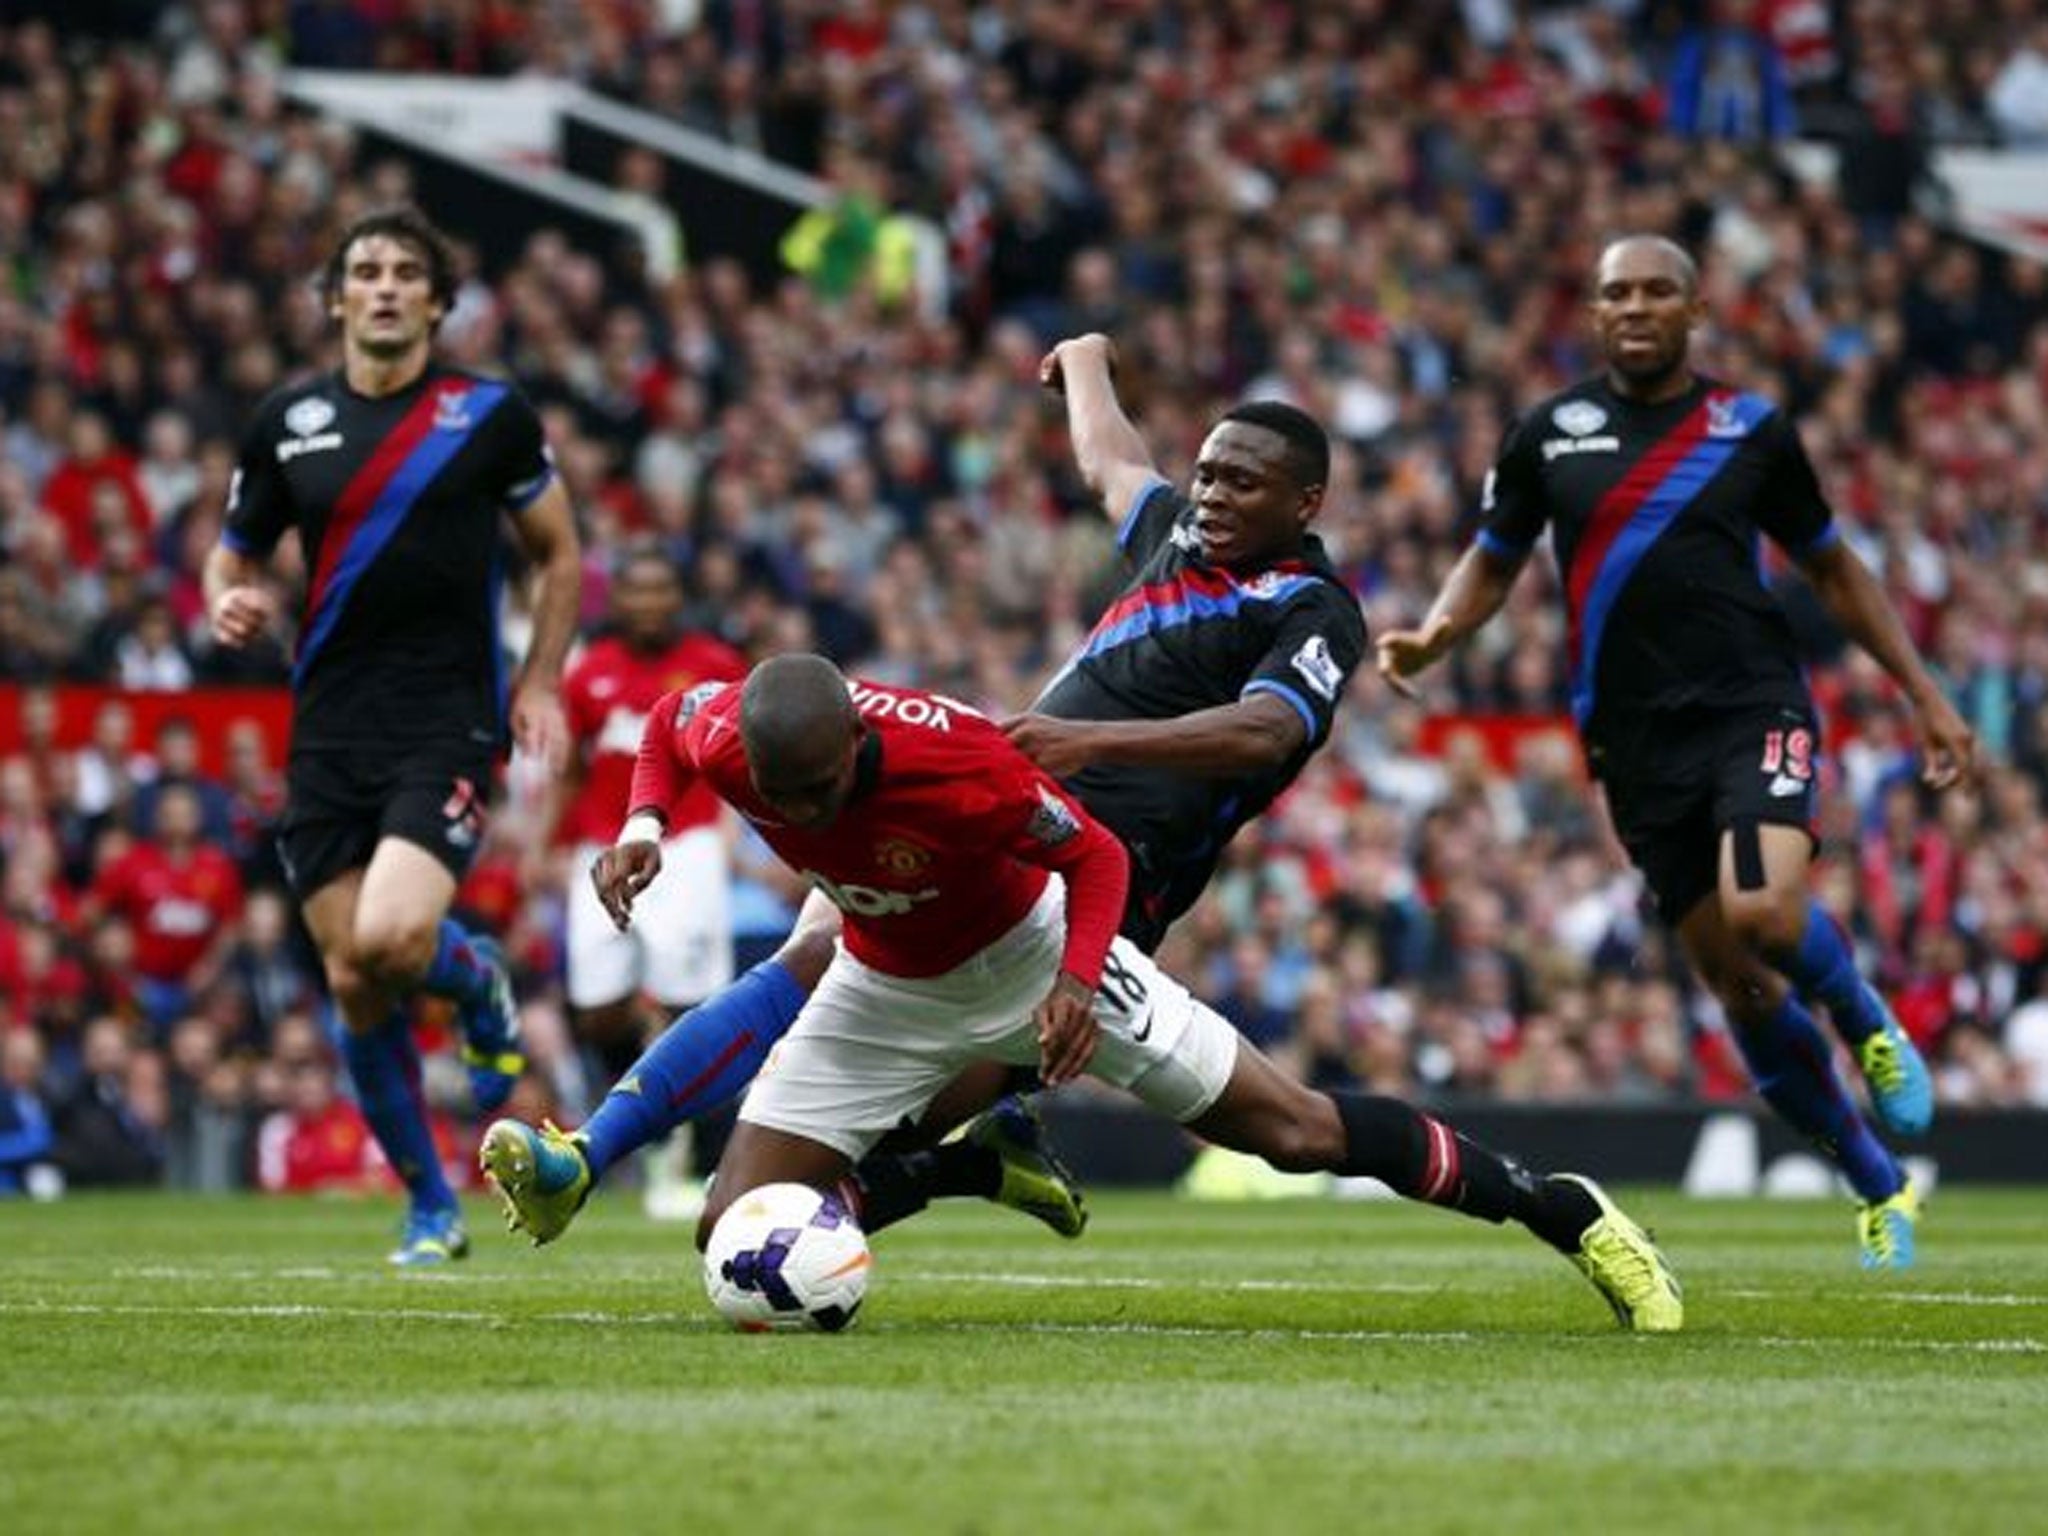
x=606, y=696
x=942, y=849
x=175, y=909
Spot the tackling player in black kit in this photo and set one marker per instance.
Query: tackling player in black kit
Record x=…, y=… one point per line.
x=397, y=475
x=1195, y=700
x=1214, y=677
x=1689, y=695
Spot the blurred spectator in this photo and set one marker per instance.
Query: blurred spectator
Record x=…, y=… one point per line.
x=2026, y=1042
x=207, y=1145
x=95, y=490
x=183, y=899
x=315, y=1141
x=25, y=1136
x=2018, y=98
x=108, y=1128
x=1728, y=79
x=267, y=967
x=1885, y=157
x=176, y=750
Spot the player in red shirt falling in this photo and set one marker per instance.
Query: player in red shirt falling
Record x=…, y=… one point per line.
x=937, y=840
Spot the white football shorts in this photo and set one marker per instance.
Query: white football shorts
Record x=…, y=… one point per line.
x=870, y=1050
x=679, y=949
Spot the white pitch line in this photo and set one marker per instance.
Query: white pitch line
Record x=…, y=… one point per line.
x=1909, y=1298
x=1082, y=1280
x=291, y=1311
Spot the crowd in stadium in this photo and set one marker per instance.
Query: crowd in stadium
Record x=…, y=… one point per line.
x=1381, y=212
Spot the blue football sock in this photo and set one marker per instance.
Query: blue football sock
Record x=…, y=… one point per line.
x=705, y=1057
x=1789, y=1058
x=385, y=1066
x=456, y=971
x=1824, y=970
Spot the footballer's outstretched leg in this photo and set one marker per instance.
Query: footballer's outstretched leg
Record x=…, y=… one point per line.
x=542, y=1177
x=1299, y=1130
x=1625, y=1265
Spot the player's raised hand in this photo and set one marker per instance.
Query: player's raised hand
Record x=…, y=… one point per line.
x=1066, y=1030
x=1052, y=368
x=242, y=613
x=1402, y=653
x=1948, y=747
x=539, y=724
x=621, y=873
x=1060, y=747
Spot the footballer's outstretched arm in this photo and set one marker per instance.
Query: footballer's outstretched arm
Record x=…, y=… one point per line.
x=1114, y=461
x=1478, y=584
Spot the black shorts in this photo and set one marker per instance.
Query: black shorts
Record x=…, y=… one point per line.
x=1757, y=765
x=340, y=802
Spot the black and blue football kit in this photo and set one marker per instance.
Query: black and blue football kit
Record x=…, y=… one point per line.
x=399, y=682
x=1684, y=673
x=1185, y=635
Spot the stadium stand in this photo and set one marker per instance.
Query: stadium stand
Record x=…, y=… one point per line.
x=1383, y=213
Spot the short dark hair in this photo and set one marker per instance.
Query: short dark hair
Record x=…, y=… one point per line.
x=1308, y=445
x=409, y=227
x=791, y=703
x=1678, y=255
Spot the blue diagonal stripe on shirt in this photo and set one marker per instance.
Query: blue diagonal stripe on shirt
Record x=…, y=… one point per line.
x=1660, y=509
x=387, y=514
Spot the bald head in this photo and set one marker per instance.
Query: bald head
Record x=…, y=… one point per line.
x=800, y=731
x=1653, y=250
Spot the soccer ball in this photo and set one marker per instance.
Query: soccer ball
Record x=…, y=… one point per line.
x=785, y=1257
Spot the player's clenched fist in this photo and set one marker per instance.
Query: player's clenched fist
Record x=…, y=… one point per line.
x=241, y=614
x=621, y=873
x=1052, y=368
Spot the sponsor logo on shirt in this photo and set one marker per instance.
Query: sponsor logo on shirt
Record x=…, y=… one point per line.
x=1555, y=447
x=1318, y=668
x=309, y=416
x=308, y=421
x=868, y=900
x=1579, y=417
x=292, y=447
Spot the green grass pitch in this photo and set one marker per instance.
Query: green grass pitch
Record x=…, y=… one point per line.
x=180, y=1365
